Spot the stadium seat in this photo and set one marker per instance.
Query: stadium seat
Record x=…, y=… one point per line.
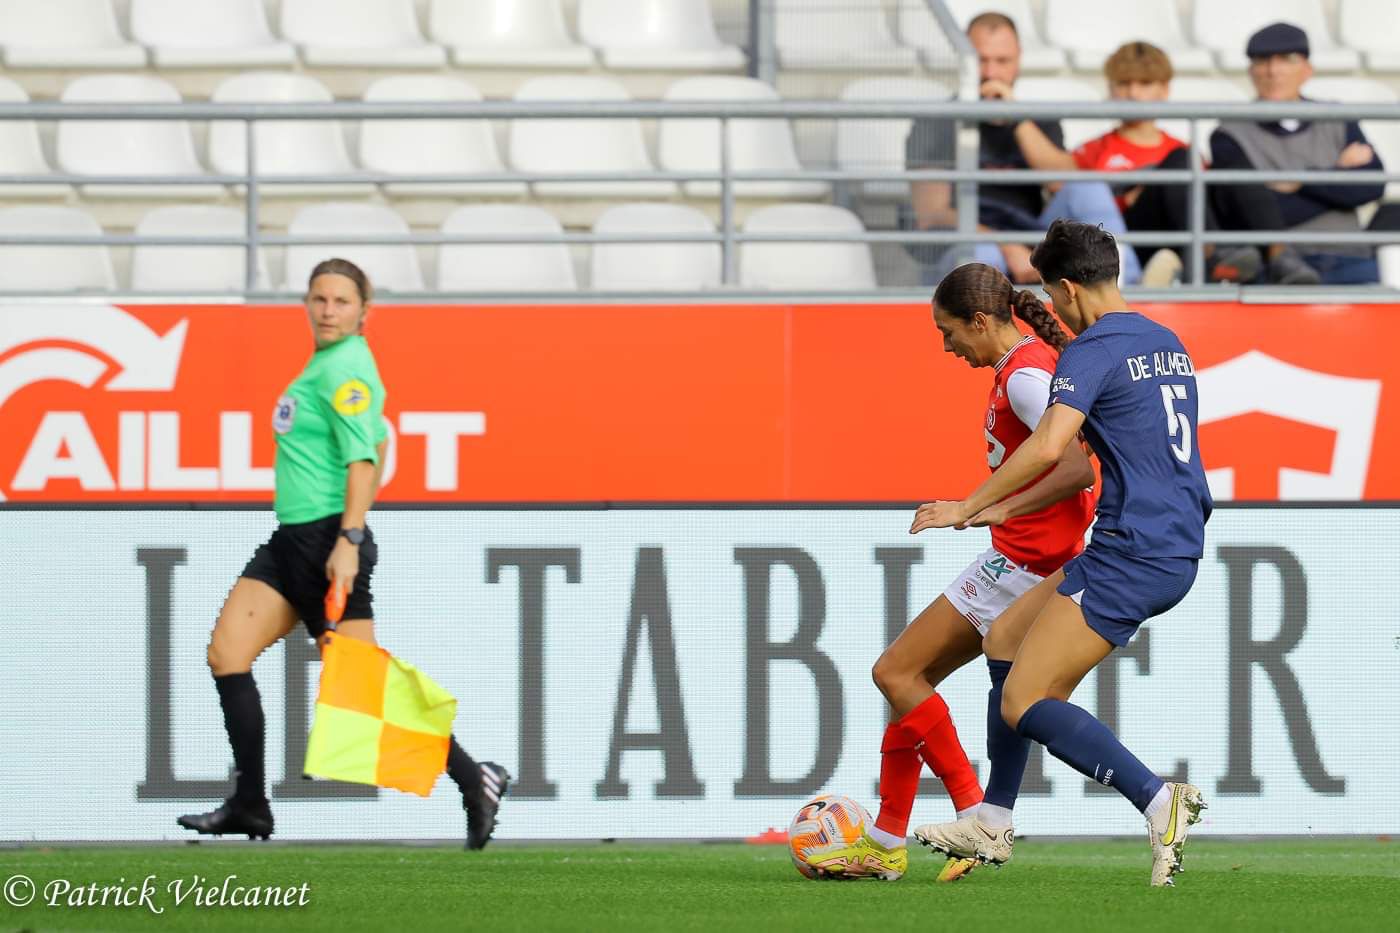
x=390, y=268
x=754, y=145
x=1066, y=90
x=662, y=267
x=21, y=153
x=917, y=27
x=805, y=266
x=65, y=34
x=192, y=270
x=129, y=147
x=506, y=34
x=564, y=146
x=878, y=145
x=829, y=35
x=1388, y=258
x=409, y=147
x=1227, y=29
x=1384, y=135
x=656, y=34
x=504, y=267
x=284, y=147
x=208, y=34
x=1369, y=27
x=1201, y=91
x=53, y=268
x=363, y=34
x=1114, y=23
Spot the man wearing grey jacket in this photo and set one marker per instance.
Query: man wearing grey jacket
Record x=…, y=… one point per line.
x=1279, y=67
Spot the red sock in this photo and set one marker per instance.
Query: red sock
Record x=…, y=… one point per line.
x=926, y=732
x=944, y=753
x=899, y=783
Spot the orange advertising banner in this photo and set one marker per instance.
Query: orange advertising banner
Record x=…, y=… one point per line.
x=704, y=403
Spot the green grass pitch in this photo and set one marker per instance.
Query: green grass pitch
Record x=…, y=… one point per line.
x=1285, y=885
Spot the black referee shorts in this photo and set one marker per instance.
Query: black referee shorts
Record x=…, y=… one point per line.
x=293, y=562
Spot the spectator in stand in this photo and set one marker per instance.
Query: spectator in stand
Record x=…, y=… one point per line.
x=1019, y=145
x=1279, y=67
x=1140, y=71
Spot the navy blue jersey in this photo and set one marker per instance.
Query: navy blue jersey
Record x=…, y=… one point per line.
x=1136, y=386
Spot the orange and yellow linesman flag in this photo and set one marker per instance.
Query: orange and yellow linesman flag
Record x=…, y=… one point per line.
x=378, y=720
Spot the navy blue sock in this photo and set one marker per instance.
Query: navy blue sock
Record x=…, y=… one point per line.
x=1087, y=746
x=1006, y=749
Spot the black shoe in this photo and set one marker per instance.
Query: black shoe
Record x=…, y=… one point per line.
x=1234, y=264
x=235, y=816
x=1288, y=268
x=481, y=812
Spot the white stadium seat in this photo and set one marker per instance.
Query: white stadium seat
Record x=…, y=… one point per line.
x=1201, y=91
x=1226, y=30
x=1388, y=258
x=566, y=146
x=53, y=268
x=65, y=34
x=1369, y=27
x=1092, y=29
x=362, y=34
x=878, y=145
x=129, y=147
x=504, y=267
x=284, y=147
x=660, y=267
x=506, y=34
x=21, y=153
x=1066, y=90
x=838, y=34
x=390, y=268
x=1384, y=135
x=656, y=34
x=192, y=270
x=441, y=147
x=754, y=145
x=805, y=266
x=917, y=27
x=208, y=34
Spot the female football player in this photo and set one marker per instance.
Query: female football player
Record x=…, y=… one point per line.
x=330, y=447
x=1034, y=533
x=1130, y=386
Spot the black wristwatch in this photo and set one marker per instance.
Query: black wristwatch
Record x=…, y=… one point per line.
x=355, y=536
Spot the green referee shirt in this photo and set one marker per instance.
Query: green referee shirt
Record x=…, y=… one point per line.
x=331, y=416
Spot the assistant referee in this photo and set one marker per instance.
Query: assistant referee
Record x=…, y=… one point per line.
x=331, y=437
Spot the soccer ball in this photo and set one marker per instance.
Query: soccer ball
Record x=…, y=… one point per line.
x=824, y=827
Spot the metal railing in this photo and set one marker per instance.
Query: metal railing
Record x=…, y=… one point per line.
x=964, y=113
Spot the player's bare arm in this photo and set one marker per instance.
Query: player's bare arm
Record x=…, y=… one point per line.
x=1072, y=473
x=1059, y=426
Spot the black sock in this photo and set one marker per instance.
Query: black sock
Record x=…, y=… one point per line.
x=243, y=719
x=463, y=770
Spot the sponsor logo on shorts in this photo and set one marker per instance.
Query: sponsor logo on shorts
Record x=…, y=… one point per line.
x=969, y=589
x=997, y=567
x=352, y=398
x=284, y=414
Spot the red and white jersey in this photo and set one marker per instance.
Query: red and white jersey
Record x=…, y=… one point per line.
x=1042, y=541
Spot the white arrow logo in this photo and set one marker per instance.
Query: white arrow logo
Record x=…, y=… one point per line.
x=1256, y=381
x=149, y=361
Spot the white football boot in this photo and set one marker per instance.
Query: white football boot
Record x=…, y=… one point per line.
x=1167, y=831
x=968, y=838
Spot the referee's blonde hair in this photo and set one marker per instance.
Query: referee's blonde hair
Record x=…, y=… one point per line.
x=345, y=267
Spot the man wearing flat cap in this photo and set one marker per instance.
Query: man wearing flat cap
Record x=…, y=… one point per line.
x=1279, y=67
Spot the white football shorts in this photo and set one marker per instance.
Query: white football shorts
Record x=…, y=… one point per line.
x=987, y=587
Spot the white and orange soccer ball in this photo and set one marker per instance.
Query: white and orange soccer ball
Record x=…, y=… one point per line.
x=822, y=835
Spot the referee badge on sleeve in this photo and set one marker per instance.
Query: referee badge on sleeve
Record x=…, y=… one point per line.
x=352, y=398
x=284, y=414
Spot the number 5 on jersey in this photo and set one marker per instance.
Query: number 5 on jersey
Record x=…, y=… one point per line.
x=1177, y=422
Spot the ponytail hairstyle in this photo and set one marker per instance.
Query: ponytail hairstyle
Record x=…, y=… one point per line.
x=975, y=287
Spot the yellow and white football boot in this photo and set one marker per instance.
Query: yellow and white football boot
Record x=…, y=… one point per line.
x=1167, y=831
